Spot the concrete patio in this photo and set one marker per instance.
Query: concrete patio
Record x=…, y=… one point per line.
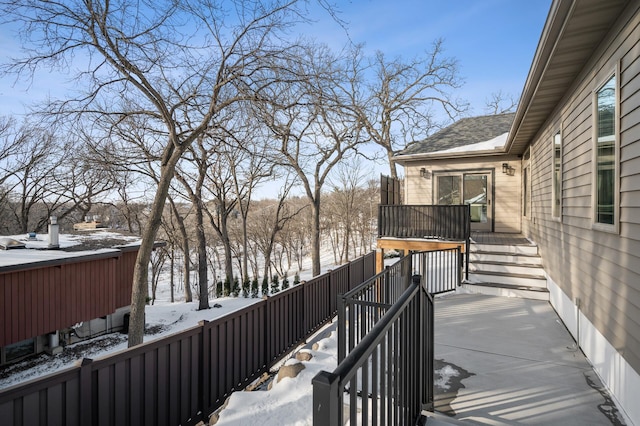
x=511, y=361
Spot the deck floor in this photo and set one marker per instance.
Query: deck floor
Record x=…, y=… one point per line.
x=499, y=238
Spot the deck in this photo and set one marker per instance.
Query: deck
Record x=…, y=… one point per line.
x=499, y=238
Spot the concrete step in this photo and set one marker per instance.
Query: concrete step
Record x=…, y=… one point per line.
x=520, y=259
x=527, y=280
x=530, y=249
x=506, y=290
x=507, y=267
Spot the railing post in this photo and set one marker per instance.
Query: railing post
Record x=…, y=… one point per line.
x=430, y=342
x=267, y=331
x=86, y=386
x=326, y=400
x=342, y=329
x=204, y=376
x=459, y=269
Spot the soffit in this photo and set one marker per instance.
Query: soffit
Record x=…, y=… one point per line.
x=573, y=31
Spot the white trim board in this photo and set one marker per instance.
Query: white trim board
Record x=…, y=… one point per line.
x=622, y=381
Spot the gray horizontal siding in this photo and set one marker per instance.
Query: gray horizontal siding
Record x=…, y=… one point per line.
x=600, y=268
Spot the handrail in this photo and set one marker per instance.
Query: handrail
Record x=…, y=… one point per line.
x=402, y=341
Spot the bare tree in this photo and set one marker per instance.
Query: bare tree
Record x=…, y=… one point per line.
x=10, y=143
x=346, y=205
x=199, y=157
x=268, y=220
x=313, y=126
x=178, y=217
x=405, y=100
x=248, y=171
x=501, y=103
x=142, y=61
x=32, y=178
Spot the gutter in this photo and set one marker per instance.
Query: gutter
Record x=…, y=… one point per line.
x=553, y=28
x=448, y=155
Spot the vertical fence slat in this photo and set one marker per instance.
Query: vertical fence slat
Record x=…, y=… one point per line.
x=183, y=378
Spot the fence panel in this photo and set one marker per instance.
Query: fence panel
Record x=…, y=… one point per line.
x=184, y=377
x=59, y=393
x=225, y=370
x=317, y=301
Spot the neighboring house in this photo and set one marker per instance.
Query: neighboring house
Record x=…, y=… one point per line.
x=51, y=296
x=570, y=182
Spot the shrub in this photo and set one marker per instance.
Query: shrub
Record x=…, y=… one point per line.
x=275, y=284
x=235, y=289
x=254, y=288
x=227, y=287
x=246, y=288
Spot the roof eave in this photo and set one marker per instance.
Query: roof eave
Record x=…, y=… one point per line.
x=563, y=52
x=401, y=159
x=550, y=33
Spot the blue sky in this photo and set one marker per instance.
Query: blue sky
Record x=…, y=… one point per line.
x=493, y=40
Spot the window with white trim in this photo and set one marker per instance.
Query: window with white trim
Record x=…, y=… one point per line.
x=556, y=189
x=605, y=154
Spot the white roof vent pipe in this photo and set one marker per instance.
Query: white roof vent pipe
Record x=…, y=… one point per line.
x=54, y=234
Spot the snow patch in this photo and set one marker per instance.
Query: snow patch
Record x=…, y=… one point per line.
x=496, y=143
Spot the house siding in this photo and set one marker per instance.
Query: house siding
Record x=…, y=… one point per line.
x=41, y=297
x=506, y=199
x=597, y=270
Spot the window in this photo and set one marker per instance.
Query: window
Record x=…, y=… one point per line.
x=526, y=184
x=449, y=190
x=556, y=190
x=605, y=153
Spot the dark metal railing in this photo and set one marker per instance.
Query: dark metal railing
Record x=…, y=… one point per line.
x=446, y=222
x=441, y=270
x=361, y=308
x=423, y=221
x=387, y=379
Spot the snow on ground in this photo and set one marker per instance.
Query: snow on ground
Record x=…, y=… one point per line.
x=162, y=319
x=289, y=402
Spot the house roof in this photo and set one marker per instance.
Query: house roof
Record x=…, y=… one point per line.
x=572, y=33
x=73, y=248
x=462, y=133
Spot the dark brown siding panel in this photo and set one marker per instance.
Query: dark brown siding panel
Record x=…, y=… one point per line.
x=37, y=301
x=124, y=278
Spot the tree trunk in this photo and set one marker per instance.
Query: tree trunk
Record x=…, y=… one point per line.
x=228, y=260
x=203, y=284
x=188, y=296
x=315, y=236
x=173, y=264
x=245, y=250
x=141, y=269
x=392, y=165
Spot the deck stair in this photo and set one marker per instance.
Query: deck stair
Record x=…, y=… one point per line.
x=506, y=267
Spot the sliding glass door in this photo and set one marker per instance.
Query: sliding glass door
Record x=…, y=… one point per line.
x=468, y=188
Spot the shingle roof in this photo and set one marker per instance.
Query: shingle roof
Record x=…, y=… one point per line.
x=465, y=131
